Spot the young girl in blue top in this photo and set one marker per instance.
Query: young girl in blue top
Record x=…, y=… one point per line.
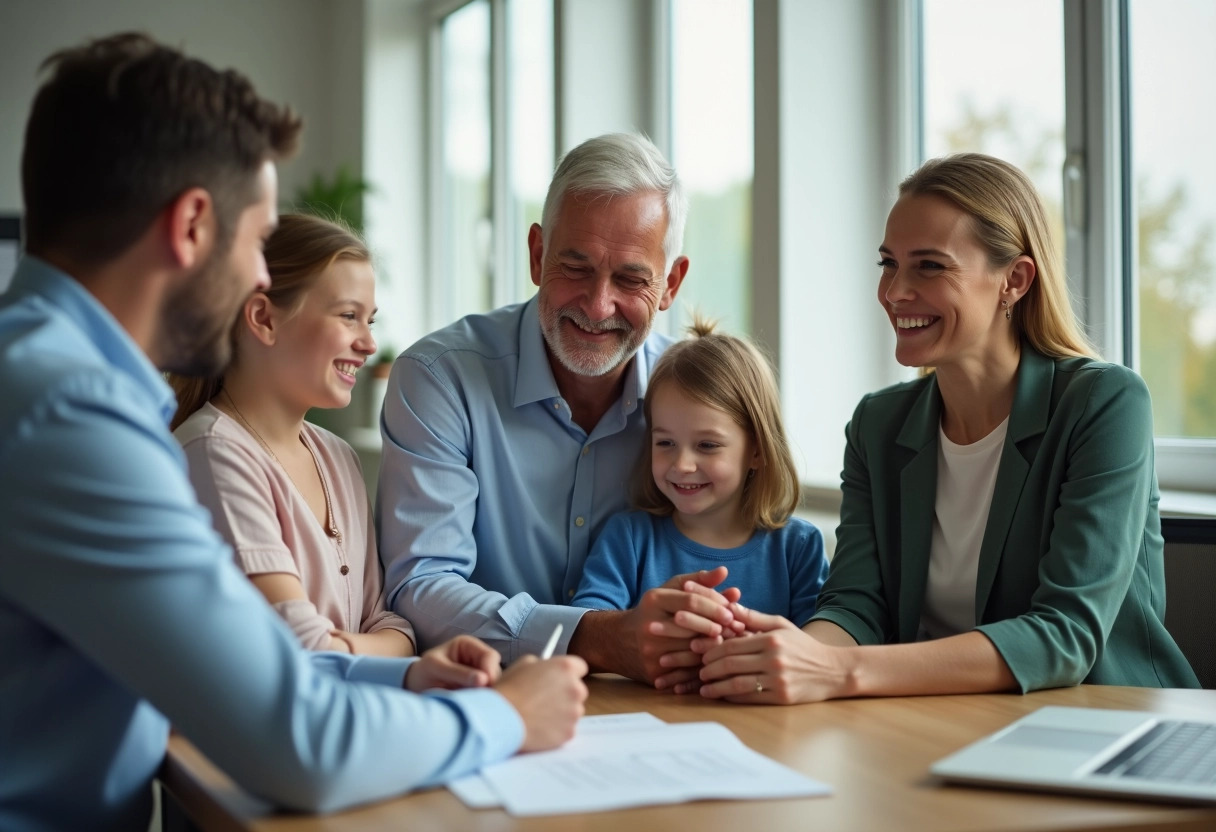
x=715, y=486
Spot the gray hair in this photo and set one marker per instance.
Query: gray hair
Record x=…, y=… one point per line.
x=620, y=164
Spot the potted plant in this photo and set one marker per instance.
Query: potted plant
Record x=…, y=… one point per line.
x=339, y=198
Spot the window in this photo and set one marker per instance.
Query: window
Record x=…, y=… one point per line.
x=782, y=112
x=530, y=109
x=711, y=131
x=1012, y=109
x=1174, y=210
x=1094, y=95
x=493, y=151
x=464, y=231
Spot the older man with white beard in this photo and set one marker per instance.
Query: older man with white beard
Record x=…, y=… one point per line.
x=509, y=436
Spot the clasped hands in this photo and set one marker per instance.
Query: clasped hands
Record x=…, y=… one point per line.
x=694, y=637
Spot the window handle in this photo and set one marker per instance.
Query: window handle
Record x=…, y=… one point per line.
x=1074, y=192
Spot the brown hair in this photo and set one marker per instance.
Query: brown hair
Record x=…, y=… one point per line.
x=1009, y=221
x=299, y=250
x=122, y=127
x=732, y=375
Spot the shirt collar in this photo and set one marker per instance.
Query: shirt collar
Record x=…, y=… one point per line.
x=37, y=277
x=535, y=381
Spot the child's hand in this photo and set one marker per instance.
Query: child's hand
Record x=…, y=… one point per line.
x=692, y=609
x=729, y=596
x=692, y=606
x=463, y=662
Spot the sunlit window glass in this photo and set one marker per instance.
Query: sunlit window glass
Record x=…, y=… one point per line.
x=994, y=83
x=1174, y=171
x=465, y=161
x=530, y=114
x=712, y=141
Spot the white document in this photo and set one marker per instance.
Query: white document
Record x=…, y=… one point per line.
x=620, y=768
x=476, y=792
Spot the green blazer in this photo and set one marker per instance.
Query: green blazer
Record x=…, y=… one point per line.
x=1071, y=584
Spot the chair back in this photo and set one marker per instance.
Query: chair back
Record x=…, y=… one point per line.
x=1190, y=591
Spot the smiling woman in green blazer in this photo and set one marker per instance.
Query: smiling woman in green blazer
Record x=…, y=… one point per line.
x=1038, y=562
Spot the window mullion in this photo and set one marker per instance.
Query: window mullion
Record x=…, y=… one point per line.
x=906, y=76
x=503, y=246
x=1094, y=169
x=438, y=292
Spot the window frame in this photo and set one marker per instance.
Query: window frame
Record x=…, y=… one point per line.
x=1099, y=112
x=1099, y=215
x=507, y=244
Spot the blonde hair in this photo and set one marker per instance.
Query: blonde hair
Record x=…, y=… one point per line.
x=300, y=249
x=729, y=374
x=1009, y=221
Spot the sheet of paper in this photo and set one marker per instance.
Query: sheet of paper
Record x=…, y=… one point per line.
x=620, y=769
x=476, y=792
x=608, y=723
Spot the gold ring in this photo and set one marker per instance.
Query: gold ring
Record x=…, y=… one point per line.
x=759, y=685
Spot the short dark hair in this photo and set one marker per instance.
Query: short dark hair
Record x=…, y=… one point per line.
x=125, y=125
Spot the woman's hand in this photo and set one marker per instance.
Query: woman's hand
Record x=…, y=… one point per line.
x=773, y=663
x=463, y=662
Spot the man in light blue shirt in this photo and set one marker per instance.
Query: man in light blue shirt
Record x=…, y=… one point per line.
x=149, y=184
x=509, y=436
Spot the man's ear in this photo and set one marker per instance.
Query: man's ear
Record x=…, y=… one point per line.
x=675, y=277
x=536, y=252
x=260, y=317
x=192, y=228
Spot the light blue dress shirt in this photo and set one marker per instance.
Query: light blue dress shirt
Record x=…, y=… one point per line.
x=779, y=571
x=121, y=610
x=490, y=494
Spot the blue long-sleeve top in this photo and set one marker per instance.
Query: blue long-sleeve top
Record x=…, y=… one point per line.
x=779, y=571
x=121, y=610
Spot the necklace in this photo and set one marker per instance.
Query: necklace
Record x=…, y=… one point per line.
x=330, y=526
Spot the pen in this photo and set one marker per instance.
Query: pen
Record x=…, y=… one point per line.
x=547, y=653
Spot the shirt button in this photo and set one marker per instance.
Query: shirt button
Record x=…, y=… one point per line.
x=578, y=521
x=556, y=405
x=570, y=593
x=586, y=448
x=345, y=569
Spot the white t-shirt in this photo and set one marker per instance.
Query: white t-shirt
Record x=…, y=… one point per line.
x=966, y=477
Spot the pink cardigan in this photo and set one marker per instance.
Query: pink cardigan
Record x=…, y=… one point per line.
x=256, y=508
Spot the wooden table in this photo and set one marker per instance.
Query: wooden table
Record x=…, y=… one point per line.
x=875, y=753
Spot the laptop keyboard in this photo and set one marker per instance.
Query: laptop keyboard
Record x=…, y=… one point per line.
x=1174, y=752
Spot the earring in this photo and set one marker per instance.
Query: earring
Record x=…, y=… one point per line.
x=1008, y=312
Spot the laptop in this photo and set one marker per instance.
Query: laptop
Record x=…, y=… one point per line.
x=1126, y=754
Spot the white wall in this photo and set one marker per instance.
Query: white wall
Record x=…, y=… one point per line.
x=306, y=53
x=606, y=69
